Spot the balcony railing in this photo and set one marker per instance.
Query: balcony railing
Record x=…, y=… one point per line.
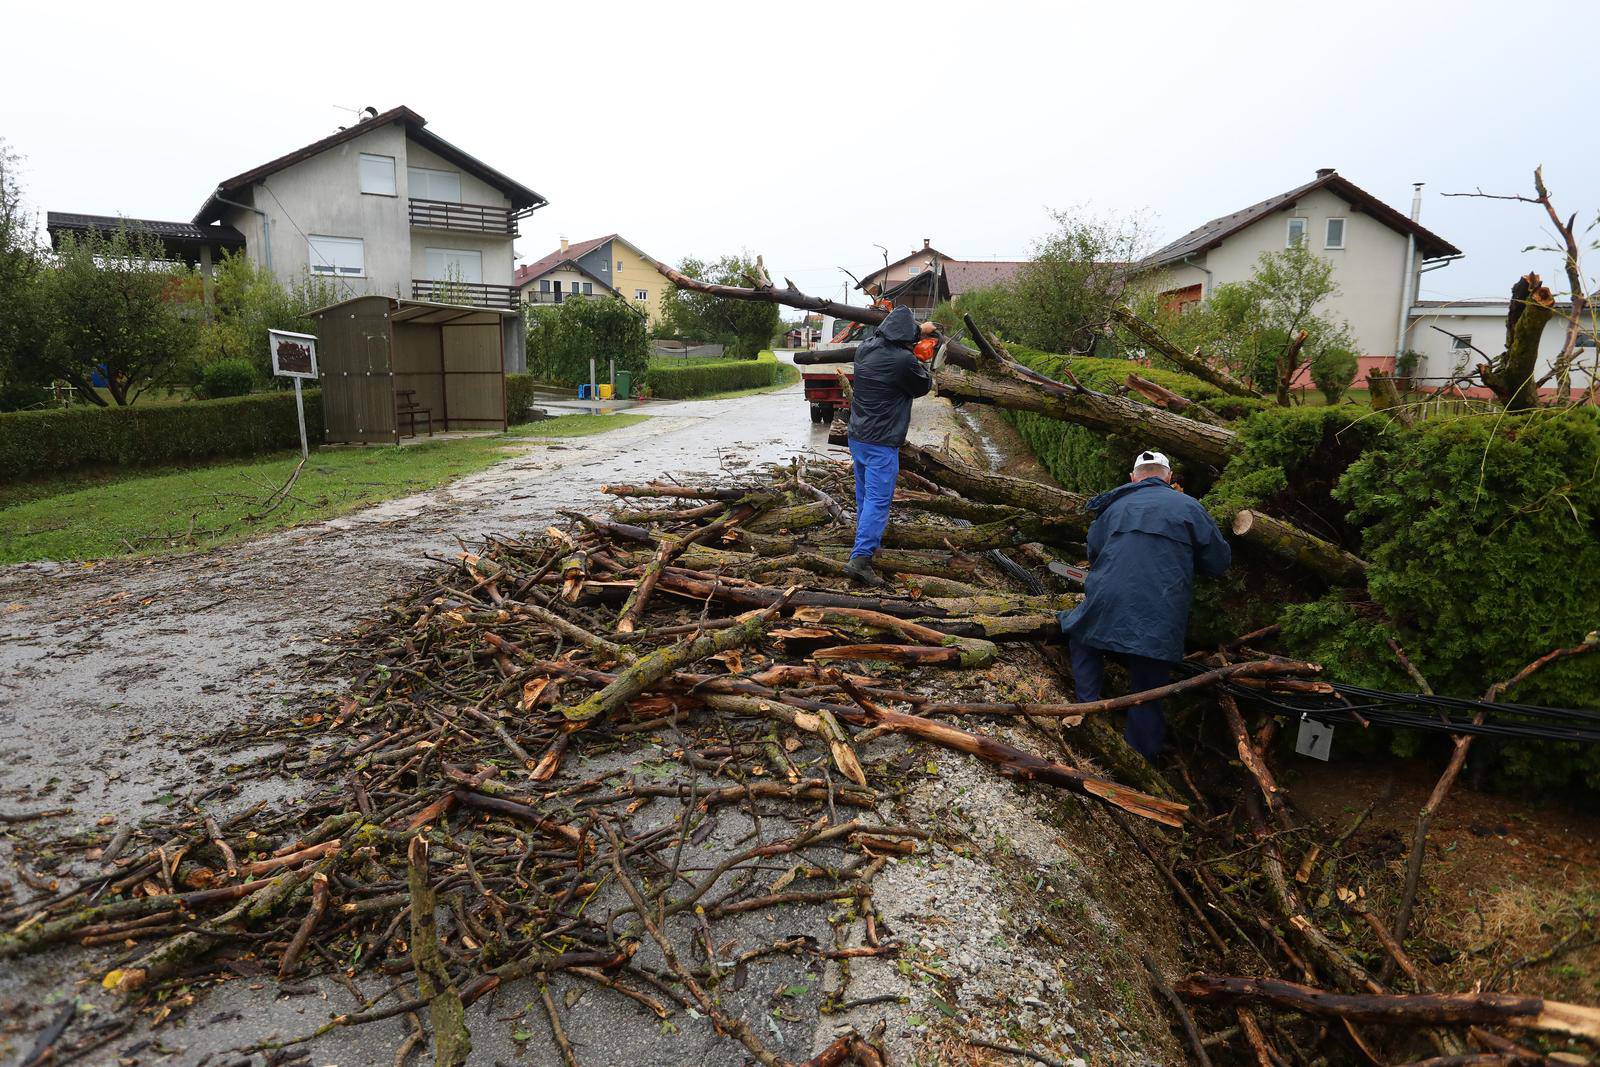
x=473, y=218
x=472, y=294
x=556, y=298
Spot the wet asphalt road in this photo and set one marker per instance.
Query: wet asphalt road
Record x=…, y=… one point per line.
x=109, y=674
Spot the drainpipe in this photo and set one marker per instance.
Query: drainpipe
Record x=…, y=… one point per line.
x=1205, y=288
x=266, y=226
x=1406, y=294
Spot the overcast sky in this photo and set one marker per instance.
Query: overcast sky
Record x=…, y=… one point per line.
x=810, y=133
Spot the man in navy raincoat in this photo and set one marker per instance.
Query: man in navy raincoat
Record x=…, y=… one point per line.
x=888, y=376
x=1146, y=543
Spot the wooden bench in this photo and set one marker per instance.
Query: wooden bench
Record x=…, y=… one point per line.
x=406, y=408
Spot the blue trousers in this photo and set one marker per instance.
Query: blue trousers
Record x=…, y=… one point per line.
x=876, y=469
x=1147, y=723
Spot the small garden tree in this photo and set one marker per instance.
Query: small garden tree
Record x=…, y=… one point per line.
x=249, y=300
x=743, y=328
x=19, y=272
x=562, y=340
x=1061, y=299
x=112, y=304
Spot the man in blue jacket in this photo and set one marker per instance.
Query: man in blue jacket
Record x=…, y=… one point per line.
x=1146, y=543
x=888, y=376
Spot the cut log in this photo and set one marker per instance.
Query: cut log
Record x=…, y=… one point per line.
x=1190, y=363
x=1455, y=1009
x=968, y=656
x=1298, y=546
x=845, y=354
x=452, y=1043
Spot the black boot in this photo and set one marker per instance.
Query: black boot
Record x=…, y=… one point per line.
x=859, y=570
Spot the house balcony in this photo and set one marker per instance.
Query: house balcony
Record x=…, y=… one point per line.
x=470, y=294
x=556, y=298
x=464, y=218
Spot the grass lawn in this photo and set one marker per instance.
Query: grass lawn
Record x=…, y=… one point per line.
x=146, y=511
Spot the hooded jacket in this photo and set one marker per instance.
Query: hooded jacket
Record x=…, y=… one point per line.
x=1145, y=545
x=888, y=376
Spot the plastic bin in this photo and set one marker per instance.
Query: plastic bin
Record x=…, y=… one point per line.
x=585, y=392
x=605, y=391
x=624, y=384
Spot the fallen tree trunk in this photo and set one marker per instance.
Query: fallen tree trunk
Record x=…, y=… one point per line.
x=1298, y=546
x=1162, y=397
x=846, y=354
x=1100, y=412
x=1191, y=363
x=1070, y=509
x=1458, y=1009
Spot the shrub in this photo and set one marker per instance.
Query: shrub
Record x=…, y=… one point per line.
x=562, y=340
x=42, y=442
x=670, y=381
x=519, y=397
x=249, y=301
x=1481, y=532
x=1333, y=369
x=227, y=377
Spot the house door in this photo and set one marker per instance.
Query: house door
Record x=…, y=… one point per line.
x=555, y=287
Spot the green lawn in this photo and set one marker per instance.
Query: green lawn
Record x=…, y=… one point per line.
x=147, y=511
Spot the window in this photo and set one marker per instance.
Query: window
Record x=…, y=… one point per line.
x=913, y=272
x=377, y=174
x=1297, y=233
x=454, y=264
x=429, y=184
x=588, y=288
x=641, y=294
x=341, y=256
x=1460, y=342
x=544, y=285
x=619, y=266
x=1334, y=237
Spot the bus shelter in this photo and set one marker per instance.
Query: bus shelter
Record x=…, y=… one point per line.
x=391, y=366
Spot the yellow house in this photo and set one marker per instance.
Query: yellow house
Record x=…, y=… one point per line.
x=598, y=267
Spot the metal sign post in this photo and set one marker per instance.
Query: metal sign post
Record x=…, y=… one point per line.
x=294, y=355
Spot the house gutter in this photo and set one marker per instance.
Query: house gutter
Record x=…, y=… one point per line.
x=1206, y=288
x=266, y=226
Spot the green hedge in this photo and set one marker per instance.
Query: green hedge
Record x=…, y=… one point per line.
x=668, y=380
x=519, y=397
x=43, y=442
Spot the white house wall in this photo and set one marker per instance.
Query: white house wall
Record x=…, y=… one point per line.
x=1368, y=270
x=322, y=196
x=1487, y=328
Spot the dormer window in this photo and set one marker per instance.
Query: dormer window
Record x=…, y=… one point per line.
x=1334, y=236
x=1297, y=233
x=429, y=184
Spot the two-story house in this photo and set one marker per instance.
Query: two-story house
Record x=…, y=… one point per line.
x=1377, y=253
x=598, y=267
x=384, y=206
x=926, y=277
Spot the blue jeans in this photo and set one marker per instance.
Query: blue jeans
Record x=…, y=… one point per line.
x=876, y=469
x=1147, y=723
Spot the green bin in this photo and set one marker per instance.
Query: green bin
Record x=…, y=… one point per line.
x=624, y=384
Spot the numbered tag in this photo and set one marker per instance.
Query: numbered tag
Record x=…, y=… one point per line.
x=1315, y=739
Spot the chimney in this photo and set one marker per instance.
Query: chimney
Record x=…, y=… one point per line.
x=1323, y=172
x=927, y=243
x=563, y=245
x=1416, y=200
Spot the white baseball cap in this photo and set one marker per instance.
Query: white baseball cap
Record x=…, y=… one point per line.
x=1146, y=459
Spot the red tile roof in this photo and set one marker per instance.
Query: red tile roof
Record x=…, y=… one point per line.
x=574, y=252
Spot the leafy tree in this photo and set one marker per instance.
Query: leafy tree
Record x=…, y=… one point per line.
x=993, y=308
x=249, y=300
x=1332, y=370
x=111, y=302
x=1287, y=288
x=744, y=328
x=1061, y=299
x=19, y=273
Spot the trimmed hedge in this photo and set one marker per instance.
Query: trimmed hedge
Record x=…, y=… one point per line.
x=43, y=442
x=519, y=397
x=669, y=382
